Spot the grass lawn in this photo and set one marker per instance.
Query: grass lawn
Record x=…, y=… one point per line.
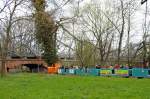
x=44, y=86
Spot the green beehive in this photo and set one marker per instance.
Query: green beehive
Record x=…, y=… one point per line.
x=106, y=72
x=122, y=72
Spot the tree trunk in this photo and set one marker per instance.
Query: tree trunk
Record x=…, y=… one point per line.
x=3, y=68
x=128, y=40
x=122, y=31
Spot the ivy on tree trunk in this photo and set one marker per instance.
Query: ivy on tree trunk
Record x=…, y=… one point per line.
x=45, y=31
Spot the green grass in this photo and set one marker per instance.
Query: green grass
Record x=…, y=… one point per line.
x=43, y=86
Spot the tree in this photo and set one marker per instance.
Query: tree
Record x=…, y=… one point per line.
x=7, y=31
x=86, y=51
x=122, y=30
x=98, y=29
x=45, y=31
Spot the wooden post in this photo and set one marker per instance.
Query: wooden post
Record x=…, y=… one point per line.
x=38, y=68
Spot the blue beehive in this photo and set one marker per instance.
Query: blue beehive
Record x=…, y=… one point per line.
x=80, y=72
x=66, y=71
x=60, y=71
x=94, y=72
x=140, y=72
x=71, y=71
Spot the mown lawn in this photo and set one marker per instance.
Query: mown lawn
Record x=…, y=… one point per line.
x=44, y=86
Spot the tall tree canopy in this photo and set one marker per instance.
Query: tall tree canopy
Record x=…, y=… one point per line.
x=45, y=31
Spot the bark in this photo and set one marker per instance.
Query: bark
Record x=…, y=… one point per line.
x=128, y=40
x=122, y=31
x=7, y=40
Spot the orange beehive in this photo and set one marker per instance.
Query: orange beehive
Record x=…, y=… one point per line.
x=54, y=68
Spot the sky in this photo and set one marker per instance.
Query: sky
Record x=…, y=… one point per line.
x=137, y=20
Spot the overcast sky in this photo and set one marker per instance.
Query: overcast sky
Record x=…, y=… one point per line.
x=137, y=20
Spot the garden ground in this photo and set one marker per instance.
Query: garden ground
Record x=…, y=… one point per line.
x=44, y=86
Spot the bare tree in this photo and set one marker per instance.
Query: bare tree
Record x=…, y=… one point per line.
x=7, y=31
